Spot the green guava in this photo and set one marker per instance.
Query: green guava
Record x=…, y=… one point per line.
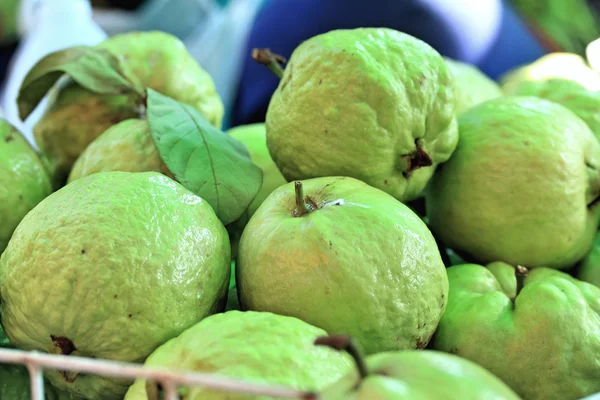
x=24, y=181
x=112, y=266
x=374, y=104
x=413, y=375
x=127, y=146
x=538, y=331
x=589, y=268
x=75, y=116
x=256, y=347
x=346, y=257
x=554, y=65
x=472, y=85
x=521, y=187
x=583, y=102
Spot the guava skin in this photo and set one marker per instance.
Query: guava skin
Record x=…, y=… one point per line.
x=420, y=375
x=374, y=104
x=361, y=264
x=543, y=342
x=23, y=180
x=583, y=102
x=248, y=346
x=472, y=86
x=589, y=268
x=521, y=187
x=112, y=266
x=157, y=60
x=127, y=146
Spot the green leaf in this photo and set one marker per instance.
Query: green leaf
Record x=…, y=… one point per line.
x=202, y=158
x=95, y=69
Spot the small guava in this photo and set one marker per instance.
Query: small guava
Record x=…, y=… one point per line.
x=127, y=146
x=374, y=104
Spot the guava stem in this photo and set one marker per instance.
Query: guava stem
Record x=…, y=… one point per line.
x=347, y=344
x=301, y=206
x=521, y=273
x=270, y=60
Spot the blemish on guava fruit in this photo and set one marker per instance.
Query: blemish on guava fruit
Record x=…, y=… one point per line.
x=321, y=81
x=417, y=159
x=9, y=139
x=385, y=182
x=129, y=316
x=421, y=344
x=115, y=296
x=526, y=142
x=83, y=251
x=65, y=345
x=453, y=350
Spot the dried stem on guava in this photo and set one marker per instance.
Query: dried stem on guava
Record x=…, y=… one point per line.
x=270, y=60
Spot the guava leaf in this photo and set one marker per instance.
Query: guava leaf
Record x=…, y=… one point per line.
x=202, y=158
x=95, y=69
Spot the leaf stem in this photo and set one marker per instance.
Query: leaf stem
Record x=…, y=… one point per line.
x=347, y=344
x=270, y=60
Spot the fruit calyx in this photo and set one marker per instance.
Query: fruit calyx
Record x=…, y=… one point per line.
x=64, y=346
x=270, y=60
x=347, y=344
x=520, y=273
x=415, y=160
x=304, y=204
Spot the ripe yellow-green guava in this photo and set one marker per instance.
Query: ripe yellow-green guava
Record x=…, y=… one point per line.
x=374, y=104
x=112, y=266
x=583, y=102
x=521, y=187
x=75, y=116
x=346, y=257
x=472, y=85
x=23, y=180
x=538, y=331
x=554, y=65
x=255, y=347
x=127, y=146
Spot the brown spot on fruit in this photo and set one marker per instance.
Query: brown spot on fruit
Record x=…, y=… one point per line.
x=115, y=296
x=129, y=316
x=421, y=344
x=417, y=159
x=453, y=350
x=9, y=139
x=65, y=345
x=83, y=251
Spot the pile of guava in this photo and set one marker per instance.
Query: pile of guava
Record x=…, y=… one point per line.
x=400, y=226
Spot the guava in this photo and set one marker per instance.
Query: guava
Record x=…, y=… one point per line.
x=254, y=138
x=24, y=181
x=75, y=116
x=538, y=331
x=412, y=375
x=583, y=102
x=554, y=65
x=521, y=187
x=589, y=268
x=472, y=85
x=346, y=257
x=127, y=146
x=374, y=104
x=111, y=266
x=256, y=347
